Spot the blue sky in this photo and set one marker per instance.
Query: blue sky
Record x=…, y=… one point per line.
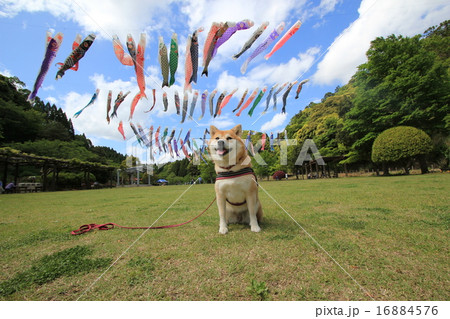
x=327, y=49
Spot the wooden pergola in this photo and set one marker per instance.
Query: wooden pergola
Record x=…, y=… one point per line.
x=48, y=165
x=312, y=169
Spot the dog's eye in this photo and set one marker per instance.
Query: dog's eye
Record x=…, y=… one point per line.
x=229, y=138
x=217, y=138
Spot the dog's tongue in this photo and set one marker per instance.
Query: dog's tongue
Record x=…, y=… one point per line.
x=221, y=152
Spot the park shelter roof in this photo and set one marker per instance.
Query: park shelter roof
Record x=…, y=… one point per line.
x=13, y=157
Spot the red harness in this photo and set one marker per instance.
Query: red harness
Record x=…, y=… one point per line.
x=228, y=175
x=236, y=204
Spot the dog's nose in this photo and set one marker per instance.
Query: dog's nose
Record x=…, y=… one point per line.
x=221, y=144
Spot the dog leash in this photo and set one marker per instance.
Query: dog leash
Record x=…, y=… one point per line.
x=88, y=227
x=223, y=175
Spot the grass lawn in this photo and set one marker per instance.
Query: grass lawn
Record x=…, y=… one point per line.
x=390, y=234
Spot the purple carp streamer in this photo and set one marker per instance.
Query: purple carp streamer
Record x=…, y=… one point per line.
x=241, y=25
x=216, y=37
x=263, y=46
x=53, y=45
x=252, y=39
x=204, y=97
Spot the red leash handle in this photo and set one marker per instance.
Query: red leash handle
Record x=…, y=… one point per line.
x=88, y=227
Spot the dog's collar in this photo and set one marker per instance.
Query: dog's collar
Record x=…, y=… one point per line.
x=241, y=172
x=227, y=167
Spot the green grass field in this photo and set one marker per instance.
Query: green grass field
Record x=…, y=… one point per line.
x=390, y=234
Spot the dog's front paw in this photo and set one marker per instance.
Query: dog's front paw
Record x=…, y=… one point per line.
x=223, y=230
x=255, y=228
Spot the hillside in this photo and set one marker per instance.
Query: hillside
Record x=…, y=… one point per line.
x=43, y=129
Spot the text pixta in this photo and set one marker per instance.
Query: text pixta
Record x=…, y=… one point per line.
x=337, y=311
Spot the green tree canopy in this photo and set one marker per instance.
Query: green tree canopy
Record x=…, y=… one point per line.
x=402, y=83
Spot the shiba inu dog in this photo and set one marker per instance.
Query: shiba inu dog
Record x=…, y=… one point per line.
x=236, y=186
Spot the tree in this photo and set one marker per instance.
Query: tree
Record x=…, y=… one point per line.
x=23, y=121
x=323, y=123
x=265, y=170
x=207, y=171
x=401, y=145
x=402, y=83
x=108, y=155
x=193, y=170
x=437, y=39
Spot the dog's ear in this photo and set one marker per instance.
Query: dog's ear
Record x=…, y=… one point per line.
x=237, y=130
x=212, y=130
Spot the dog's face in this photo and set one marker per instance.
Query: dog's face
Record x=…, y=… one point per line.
x=226, y=147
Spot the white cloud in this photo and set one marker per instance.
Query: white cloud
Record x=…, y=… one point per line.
x=276, y=122
x=204, y=12
x=6, y=72
x=325, y=7
x=269, y=73
x=284, y=72
x=48, y=88
x=92, y=121
x=51, y=100
x=104, y=17
x=376, y=18
x=133, y=148
x=229, y=82
x=223, y=122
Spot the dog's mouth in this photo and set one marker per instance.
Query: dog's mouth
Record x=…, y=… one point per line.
x=222, y=151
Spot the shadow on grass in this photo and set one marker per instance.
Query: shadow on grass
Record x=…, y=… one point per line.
x=35, y=238
x=67, y=262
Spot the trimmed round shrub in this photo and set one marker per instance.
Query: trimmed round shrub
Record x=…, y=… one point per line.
x=400, y=144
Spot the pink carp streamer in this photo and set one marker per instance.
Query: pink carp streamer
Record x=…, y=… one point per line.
x=120, y=128
x=247, y=103
x=284, y=38
x=263, y=141
x=225, y=101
